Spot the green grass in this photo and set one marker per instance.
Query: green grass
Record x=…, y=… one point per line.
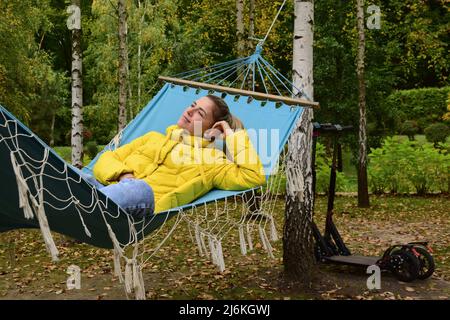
x=65, y=153
x=420, y=138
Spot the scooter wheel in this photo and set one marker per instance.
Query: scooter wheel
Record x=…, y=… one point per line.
x=426, y=263
x=404, y=265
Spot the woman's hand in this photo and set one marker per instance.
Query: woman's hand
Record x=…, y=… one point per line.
x=126, y=176
x=223, y=127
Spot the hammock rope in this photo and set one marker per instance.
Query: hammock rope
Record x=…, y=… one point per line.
x=212, y=223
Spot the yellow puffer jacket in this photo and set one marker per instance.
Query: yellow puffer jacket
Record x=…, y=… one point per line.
x=180, y=168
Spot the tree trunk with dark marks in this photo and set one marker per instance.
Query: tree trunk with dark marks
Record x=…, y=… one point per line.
x=250, y=42
x=123, y=64
x=240, y=28
x=52, y=130
x=77, y=85
x=298, y=244
x=139, y=63
x=252, y=18
x=363, y=190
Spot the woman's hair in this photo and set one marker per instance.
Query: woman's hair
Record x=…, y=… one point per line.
x=222, y=113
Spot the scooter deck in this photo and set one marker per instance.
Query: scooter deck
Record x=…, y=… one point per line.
x=353, y=260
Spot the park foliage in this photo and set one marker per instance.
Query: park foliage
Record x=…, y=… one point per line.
x=407, y=64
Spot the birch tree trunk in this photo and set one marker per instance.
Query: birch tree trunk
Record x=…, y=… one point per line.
x=123, y=64
x=77, y=86
x=251, y=29
x=240, y=27
x=52, y=130
x=363, y=192
x=298, y=255
x=251, y=34
x=139, y=66
x=130, y=99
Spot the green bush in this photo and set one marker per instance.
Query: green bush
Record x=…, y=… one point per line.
x=429, y=170
x=91, y=149
x=425, y=106
x=64, y=152
x=437, y=132
x=323, y=169
x=402, y=166
x=386, y=170
x=446, y=116
x=410, y=128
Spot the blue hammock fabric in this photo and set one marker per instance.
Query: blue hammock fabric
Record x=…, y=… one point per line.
x=162, y=111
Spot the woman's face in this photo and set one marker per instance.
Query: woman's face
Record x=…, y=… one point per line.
x=198, y=117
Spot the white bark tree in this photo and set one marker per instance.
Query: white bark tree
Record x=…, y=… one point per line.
x=123, y=64
x=298, y=257
x=74, y=24
x=139, y=64
x=250, y=41
x=363, y=190
x=240, y=28
x=251, y=29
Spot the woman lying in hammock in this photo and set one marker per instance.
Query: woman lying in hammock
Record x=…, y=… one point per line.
x=156, y=172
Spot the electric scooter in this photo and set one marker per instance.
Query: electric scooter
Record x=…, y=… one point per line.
x=406, y=261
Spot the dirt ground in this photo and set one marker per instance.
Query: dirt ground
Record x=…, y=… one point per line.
x=332, y=282
x=177, y=272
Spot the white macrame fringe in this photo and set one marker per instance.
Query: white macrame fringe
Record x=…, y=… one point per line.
x=262, y=238
x=198, y=240
x=265, y=241
x=128, y=276
x=202, y=240
x=22, y=187
x=212, y=250
x=133, y=279
x=269, y=246
x=117, y=265
x=138, y=281
x=24, y=202
x=46, y=234
x=118, y=253
x=215, y=247
x=249, y=237
x=242, y=243
x=220, y=259
x=273, y=230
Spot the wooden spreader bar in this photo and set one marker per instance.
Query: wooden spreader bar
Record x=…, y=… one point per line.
x=256, y=95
